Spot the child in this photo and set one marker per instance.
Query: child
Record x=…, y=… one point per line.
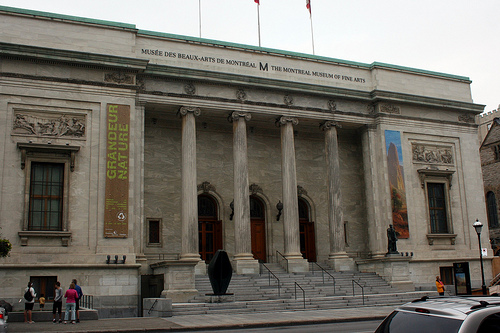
x=41, y=300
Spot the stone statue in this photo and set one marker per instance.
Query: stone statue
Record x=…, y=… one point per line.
x=392, y=238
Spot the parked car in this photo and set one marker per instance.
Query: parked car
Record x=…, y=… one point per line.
x=469, y=314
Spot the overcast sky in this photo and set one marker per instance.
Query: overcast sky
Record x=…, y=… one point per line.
x=460, y=37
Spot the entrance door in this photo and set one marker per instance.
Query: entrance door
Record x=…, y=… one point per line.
x=209, y=228
x=151, y=287
x=307, y=233
x=258, y=229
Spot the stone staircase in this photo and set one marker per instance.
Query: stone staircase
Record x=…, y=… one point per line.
x=260, y=293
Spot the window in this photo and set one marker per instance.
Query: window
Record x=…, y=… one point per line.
x=44, y=285
x=154, y=232
x=46, y=196
x=437, y=190
x=492, y=210
x=446, y=274
x=437, y=208
x=497, y=152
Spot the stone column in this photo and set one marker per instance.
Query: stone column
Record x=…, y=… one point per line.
x=243, y=263
x=295, y=261
x=375, y=184
x=338, y=255
x=189, y=199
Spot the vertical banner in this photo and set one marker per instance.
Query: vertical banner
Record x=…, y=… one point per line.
x=117, y=171
x=397, y=183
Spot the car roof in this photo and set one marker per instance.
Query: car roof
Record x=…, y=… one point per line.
x=456, y=306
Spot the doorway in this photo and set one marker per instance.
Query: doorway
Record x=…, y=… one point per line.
x=151, y=287
x=307, y=232
x=258, y=229
x=209, y=228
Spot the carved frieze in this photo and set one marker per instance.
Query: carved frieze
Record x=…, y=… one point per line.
x=432, y=154
x=332, y=105
x=120, y=78
x=466, y=118
x=390, y=108
x=49, y=125
x=288, y=100
x=241, y=95
x=190, y=89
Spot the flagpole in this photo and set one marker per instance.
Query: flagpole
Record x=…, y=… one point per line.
x=312, y=31
x=258, y=19
x=199, y=14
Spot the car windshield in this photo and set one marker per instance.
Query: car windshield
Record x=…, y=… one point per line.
x=404, y=322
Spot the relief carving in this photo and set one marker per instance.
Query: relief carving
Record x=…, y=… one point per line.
x=190, y=89
x=390, y=108
x=332, y=105
x=206, y=187
x=117, y=77
x=432, y=154
x=466, y=118
x=288, y=100
x=241, y=95
x=56, y=126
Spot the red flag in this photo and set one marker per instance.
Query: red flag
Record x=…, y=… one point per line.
x=257, y=1
x=308, y=5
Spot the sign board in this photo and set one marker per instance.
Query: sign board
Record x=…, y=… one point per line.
x=117, y=171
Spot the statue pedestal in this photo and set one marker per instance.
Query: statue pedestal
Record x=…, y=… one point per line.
x=393, y=268
x=226, y=298
x=179, y=281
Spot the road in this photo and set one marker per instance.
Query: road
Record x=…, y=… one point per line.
x=344, y=327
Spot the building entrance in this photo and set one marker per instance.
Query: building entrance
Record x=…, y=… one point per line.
x=209, y=228
x=307, y=232
x=258, y=229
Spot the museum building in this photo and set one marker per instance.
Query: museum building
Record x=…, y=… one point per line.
x=130, y=154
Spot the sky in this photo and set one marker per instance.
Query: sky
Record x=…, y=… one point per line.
x=460, y=37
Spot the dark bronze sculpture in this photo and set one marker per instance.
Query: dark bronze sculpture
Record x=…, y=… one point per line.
x=220, y=272
x=392, y=238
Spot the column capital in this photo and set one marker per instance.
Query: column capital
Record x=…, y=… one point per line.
x=237, y=115
x=184, y=110
x=328, y=124
x=285, y=119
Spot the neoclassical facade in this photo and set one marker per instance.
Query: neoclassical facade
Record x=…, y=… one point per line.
x=129, y=157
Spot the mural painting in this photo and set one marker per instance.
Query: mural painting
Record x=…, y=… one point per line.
x=397, y=183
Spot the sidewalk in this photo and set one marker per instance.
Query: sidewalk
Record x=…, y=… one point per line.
x=209, y=322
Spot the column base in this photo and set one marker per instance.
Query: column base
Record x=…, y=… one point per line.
x=341, y=262
x=245, y=264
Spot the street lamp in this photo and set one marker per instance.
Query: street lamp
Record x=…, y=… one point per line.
x=479, y=226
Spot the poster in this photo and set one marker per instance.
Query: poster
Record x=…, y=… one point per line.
x=117, y=171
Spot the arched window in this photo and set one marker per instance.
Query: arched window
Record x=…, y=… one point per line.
x=491, y=206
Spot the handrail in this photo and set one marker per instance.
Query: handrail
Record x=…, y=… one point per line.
x=323, y=271
x=269, y=276
x=362, y=290
x=283, y=257
x=87, y=301
x=152, y=306
x=303, y=293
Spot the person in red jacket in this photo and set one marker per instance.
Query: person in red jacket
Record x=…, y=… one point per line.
x=71, y=295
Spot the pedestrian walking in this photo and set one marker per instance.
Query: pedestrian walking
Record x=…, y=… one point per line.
x=439, y=286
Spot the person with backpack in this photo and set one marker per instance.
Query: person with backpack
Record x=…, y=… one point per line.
x=29, y=302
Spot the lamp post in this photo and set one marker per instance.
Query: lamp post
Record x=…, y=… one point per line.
x=479, y=226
